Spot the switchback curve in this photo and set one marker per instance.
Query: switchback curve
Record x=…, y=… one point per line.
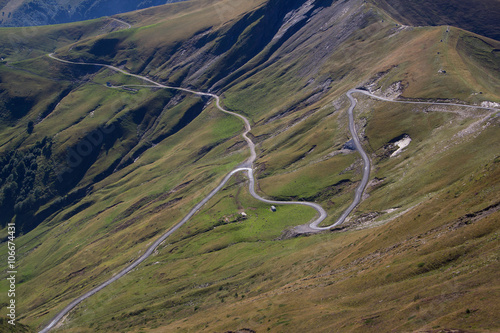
x=245, y=166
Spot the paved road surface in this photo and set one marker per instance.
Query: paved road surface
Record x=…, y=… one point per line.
x=122, y=22
x=366, y=165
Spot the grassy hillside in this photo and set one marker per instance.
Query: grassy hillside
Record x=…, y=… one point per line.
x=420, y=253
x=31, y=42
x=19, y=13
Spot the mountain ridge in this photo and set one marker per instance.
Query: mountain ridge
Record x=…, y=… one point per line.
x=476, y=16
x=35, y=13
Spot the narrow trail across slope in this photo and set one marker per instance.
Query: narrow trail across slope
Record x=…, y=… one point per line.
x=128, y=25
x=380, y=98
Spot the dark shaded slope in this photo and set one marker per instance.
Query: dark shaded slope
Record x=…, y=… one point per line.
x=479, y=16
x=213, y=58
x=39, y=178
x=259, y=34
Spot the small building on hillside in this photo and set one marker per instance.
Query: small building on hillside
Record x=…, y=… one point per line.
x=350, y=145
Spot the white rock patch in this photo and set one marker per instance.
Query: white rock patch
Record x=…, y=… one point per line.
x=488, y=104
x=402, y=144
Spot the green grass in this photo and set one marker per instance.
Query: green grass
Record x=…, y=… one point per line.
x=83, y=233
x=437, y=157
x=31, y=42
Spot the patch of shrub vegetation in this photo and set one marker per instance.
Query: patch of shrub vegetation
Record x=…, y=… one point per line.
x=25, y=183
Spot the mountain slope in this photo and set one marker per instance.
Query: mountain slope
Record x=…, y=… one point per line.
x=22, y=13
x=413, y=249
x=479, y=16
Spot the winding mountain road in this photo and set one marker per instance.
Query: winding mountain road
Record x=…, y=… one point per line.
x=358, y=194
x=128, y=25
x=245, y=166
